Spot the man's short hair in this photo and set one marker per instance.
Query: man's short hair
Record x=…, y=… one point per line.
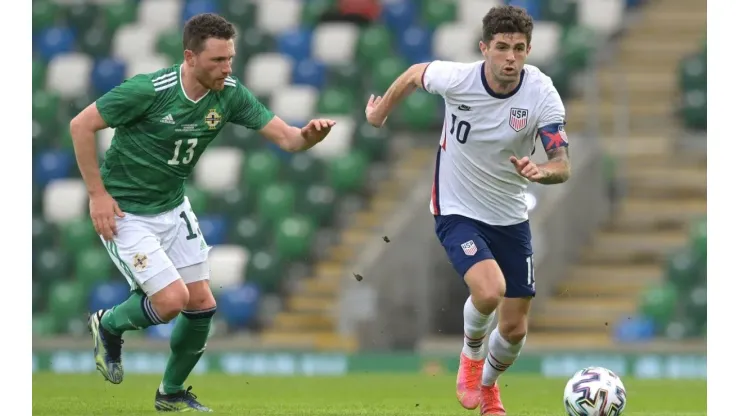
x=204, y=26
x=507, y=19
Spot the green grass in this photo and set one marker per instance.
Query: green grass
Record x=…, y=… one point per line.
x=407, y=395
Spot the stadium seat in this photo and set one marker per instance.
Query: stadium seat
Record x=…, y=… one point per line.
x=228, y=265
x=80, y=15
x=347, y=75
x=398, y=15
x=319, y=203
x=107, y=74
x=66, y=301
x=295, y=43
x=659, y=304
x=44, y=233
x=264, y=269
x=231, y=203
x=415, y=45
x=195, y=7
x=197, y=197
x=314, y=10
x=45, y=108
x=546, y=38
x=437, y=12
x=309, y=72
x=93, y=266
x=294, y=237
x=65, y=200
x=239, y=305
x=693, y=72
x=219, y=169
x=456, y=42
x=371, y=141
x=119, y=13
x=95, y=41
x=696, y=306
x=303, y=169
x=295, y=103
x=56, y=41
x=267, y=72
x=335, y=43
x=169, y=44
x=603, y=16
x=694, y=109
x=698, y=240
x=52, y=165
x=375, y=43
x=38, y=75
x=336, y=101
x=577, y=47
x=341, y=138
x=105, y=139
x=261, y=168
x=564, y=12
x=133, y=41
x=277, y=201
x=146, y=64
x=43, y=14
x=241, y=13
x=420, y=111
x=51, y=264
x=214, y=228
x=533, y=8
x=79, y=235
x=385, y=71
x=347, y=173
x=240, y=137
x=69, y=74
x=682, y=268
x=251, y=42
x=276, y=16
x=160, y=15
x=250, y=231
x=161, y=332
x=470, y=12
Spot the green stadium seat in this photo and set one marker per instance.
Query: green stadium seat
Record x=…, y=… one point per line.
x=557, y=70
x=79, y=235
x=578, y=45
x=699, y=239
x=260, y=169
x=42, y=136
x=419, y=111
x=169, y=44
x=347, y=173
x=314, y=10
x=437, y=12
x=66, y=302
x=335, y=43
x=96, y=41
x=659, y=303
x=372, y=142
x=335, y=101
x=81, y=16
x=318, y=202
x=44, y=233
x=694, y=109
x=375, y=43
x=76, y=104
x=385, y=71
x=563, y=12
x=696, y=307
x=265, y=270
x=346, y=75
x=693, y=73
x=250, y=231
x=276, y=201
x=37, y=200
x=303, y=169
x=43, y=325
x=198, y=198
x=46, y=108
x=682, y=269
x=240, y=137
x=38, y=75
x=93, y=265
x=232, y=203
x=119, y=13
x=241, y=13
x=44, y=14
x=294, y=238
x=251, y=42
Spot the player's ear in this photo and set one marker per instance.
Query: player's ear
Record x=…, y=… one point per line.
x=529, y=48
x=189, y=57
x=482, y=46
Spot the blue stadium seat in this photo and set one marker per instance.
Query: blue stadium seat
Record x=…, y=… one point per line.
x=214, y=228
x=161, y=332
x=108, y=73
x=239, y=305
x=634, y=329
x=108, y=294
x=194, y=7
x=415, y=44
x=309, y=72
x=399, y=15
x=51, y=165
x=533, y=7
x=295, y=43
x=55, y=41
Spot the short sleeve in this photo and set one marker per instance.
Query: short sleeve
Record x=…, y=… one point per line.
x=247, y=110
x=553, y=110
x=127, y=102
x=438, y=76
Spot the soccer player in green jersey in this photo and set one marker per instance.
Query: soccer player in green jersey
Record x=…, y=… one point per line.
x=163, y=123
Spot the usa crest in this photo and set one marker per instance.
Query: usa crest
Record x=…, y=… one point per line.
x=213, y=118
x=518, y=119
x=469, y=248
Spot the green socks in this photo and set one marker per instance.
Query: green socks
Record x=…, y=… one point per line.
x=188, y=343
x=136, y=312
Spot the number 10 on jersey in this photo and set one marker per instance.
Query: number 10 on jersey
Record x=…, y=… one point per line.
x=189, y=153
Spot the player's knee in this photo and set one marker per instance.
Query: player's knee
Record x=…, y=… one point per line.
x=170, y=301
x=513, y=330
x=201, y=297
x=487, y=285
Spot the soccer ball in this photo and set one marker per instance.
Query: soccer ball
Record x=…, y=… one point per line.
x=595, y=391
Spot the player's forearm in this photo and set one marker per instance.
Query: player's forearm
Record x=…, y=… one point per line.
x=85, y=149
x=295, y=142
x=402, y=87
x=554, y=171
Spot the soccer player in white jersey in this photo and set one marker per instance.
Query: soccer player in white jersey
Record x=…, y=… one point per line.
x=494, y=111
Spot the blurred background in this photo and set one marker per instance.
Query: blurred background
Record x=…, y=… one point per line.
x=326, y=261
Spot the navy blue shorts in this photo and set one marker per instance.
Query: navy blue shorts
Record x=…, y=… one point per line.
x=469, y=241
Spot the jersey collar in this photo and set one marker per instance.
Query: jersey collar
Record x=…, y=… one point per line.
x=182, y=88
x=493, y=93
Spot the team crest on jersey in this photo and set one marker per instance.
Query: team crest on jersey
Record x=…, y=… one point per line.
x=518, y=119
x=469, y=248
x=213, y=118
x=141, y=261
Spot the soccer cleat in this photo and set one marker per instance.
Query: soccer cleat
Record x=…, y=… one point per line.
x=490, y=404
x=182, y=401
x=107, y=349
x=468, y=382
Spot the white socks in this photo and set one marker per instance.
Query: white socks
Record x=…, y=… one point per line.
x=500, y=357
x=475, y=326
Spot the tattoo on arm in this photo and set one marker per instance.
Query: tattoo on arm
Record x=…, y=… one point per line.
x=557, y=168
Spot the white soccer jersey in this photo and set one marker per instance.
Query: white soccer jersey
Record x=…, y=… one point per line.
x=482, y=129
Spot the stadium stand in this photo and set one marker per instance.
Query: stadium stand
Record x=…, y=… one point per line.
x=267, y=212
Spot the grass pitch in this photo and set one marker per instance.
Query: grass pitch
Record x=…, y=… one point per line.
x=397, y=395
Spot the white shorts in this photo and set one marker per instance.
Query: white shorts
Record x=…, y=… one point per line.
x=154, y=251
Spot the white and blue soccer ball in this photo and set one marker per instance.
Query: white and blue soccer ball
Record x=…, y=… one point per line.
x=595, y=391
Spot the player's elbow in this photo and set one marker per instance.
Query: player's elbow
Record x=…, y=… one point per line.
x=86, y=123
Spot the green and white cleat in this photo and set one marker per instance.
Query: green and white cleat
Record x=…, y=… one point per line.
x=183, y=401
x=107, y=349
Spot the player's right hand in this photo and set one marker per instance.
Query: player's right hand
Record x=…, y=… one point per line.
x=371, y=112
x=103, y=212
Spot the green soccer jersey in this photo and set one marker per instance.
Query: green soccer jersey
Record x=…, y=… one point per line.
x=160, y=134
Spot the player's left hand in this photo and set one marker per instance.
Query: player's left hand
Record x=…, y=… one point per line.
x=527, y=168
x=316, y=130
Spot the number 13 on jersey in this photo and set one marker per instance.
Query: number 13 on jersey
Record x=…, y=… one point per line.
x=189, y=152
